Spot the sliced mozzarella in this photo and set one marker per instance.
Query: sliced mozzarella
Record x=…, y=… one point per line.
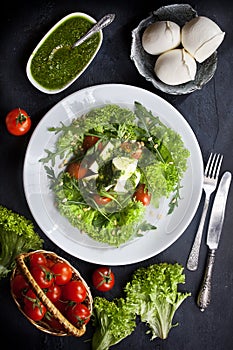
x=201, y=37
x=104, y=154
x=120, y=185
x=175, y=67
x=94, y=167
x=161, y=36
x=121, y=182
x=127, y=165
x=86, y=179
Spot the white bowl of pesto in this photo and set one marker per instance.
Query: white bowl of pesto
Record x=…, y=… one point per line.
x=54, y=65
x=46, y=158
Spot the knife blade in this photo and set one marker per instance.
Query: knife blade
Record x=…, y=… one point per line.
x=213, y=237
x=218, y=212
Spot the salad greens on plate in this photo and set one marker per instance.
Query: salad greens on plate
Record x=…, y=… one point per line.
x=116, y=164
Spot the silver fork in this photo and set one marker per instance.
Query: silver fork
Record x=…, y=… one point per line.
x=211, y=175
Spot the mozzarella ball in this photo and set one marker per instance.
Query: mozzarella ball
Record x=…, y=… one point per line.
x=161, y=36
x=201, y=37
x=175, y=67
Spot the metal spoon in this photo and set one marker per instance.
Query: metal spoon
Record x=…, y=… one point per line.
x=102, y=23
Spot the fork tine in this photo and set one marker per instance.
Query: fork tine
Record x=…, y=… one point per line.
x=207, y=168
x=213, y=165
x=218, y=166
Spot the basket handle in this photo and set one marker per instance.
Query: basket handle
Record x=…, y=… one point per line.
x=69, y=327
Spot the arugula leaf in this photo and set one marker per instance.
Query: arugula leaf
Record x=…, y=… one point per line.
x=161, y=167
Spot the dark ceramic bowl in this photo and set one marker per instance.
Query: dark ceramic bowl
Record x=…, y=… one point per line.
x=144, y=62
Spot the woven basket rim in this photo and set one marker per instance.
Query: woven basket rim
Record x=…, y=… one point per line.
x=69, y=328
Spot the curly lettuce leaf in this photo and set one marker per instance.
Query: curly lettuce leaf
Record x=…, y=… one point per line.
x=153, y=293
x=113, y=321
x=17, y=235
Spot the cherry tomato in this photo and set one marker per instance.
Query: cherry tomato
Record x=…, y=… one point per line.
x=19, y=285
x=75, y=291
x=100, y=200
x=103, y=278
x=61, y=305
x=89, y=141
x=33, y=307
x=62, y=272
x=53, y=292
x=18, y=122
x=142, y=195
x=37, y=259
x=49, y=263
x=42, y=275
x=78, y=314
x=76, y=170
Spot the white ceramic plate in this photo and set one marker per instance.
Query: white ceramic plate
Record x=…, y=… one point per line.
x=40, y=197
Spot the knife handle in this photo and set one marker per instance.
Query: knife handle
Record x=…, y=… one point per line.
x=204, y=296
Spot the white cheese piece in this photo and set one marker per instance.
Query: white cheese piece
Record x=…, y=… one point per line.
x=94, y=167
x=201, y=37
x=127, y=165
x=121, y=182
x=104, y=154
x=106, y=150
x=175, y=67
x=161, y=36
x=120, y=186
x=86, y=179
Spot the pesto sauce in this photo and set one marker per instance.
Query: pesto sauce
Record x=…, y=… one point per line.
x=57, y=70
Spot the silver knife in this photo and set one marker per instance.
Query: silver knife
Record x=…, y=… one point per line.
x=213, y=237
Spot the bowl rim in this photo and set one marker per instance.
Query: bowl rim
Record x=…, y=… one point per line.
x=53, y=28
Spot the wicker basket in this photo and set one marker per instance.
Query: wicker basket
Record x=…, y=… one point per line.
x=69, y=328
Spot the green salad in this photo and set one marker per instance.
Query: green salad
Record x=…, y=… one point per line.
x=115, y=163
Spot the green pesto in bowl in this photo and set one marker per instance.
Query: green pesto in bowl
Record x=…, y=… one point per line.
x=54, y=65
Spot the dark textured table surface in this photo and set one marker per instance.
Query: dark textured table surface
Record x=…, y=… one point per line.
x=208, y=111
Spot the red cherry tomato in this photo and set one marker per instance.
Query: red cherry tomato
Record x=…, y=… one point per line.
x=89, y=141
x=100, y=200
x=33, y=307
x=142, y=195
x=76, y=170
x=42, y=275
x=75, y=291
x=78, y=314
x=37, y=259
x=18, y=122
x=53, y=292
x=62, y=272
x=103, y=279
x=49, y=263
x=61, y=305
x=19, y=285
